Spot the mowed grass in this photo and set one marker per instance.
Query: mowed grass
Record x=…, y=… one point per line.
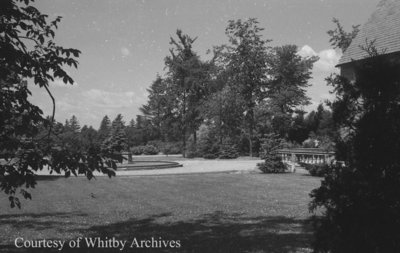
x=206, y=212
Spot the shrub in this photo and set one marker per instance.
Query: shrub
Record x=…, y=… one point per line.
x=208, y=149
x=191, y=152
x=228, y=151
x=316, y=170
x=138, y=150
x=269, y=145
x=156, y=143
x=272, y=165
x=208, y=142
x=171, y=148
x=150, y=150
x=272, y=161
x=210, y=156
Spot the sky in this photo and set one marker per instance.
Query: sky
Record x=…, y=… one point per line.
x=124, y=43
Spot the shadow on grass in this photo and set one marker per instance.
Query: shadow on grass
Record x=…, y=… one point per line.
x=215, y=232
x=38, y=222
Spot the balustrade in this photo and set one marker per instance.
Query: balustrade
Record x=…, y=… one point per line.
x=305, y=155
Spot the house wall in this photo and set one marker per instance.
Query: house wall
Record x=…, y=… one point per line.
x=347, y=71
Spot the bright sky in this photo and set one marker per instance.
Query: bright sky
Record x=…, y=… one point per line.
x=124, y=43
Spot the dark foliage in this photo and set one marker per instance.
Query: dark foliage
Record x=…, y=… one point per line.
x=228, y=151
x=138, y=150
x=171, y=148
x=150, y=150
x=210, y=156
x=361, y=201
x=192, y=151
x=272, y=165
x=317, y=170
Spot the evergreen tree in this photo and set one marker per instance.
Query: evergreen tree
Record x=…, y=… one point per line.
x=161, y=110
x=132, y=123
x=188, y=76
x=104, y=129
x=74, y=124
x=116, y=141
x=228, y=151
x=272, y=161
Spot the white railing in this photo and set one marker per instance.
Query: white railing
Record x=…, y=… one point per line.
x=294, y=156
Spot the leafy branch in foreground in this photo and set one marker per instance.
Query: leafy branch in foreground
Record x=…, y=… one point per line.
x=28, y=53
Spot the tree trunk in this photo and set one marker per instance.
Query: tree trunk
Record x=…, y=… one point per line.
x=251, y=130
x=251, y=142
x=184, y=144
x=194, y=137
x=184, y=124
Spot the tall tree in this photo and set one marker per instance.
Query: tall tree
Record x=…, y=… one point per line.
x=104, y=129
x=246, y=61
x=156, y=103
x=286, y=92
x=116, y=141
x=132, y=123
x=161, y=109
x=74, y=124
x=70, y=135
x=326, y=126
x=188, y=76
x=223, y=111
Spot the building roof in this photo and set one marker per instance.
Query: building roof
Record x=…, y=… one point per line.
x=383, y=27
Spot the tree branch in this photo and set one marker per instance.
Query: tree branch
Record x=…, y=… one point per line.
x=54, y=110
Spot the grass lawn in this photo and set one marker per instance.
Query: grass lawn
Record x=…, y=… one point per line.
x=207, y=212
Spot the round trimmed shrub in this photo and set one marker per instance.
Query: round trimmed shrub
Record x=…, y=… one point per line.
x=272, y=165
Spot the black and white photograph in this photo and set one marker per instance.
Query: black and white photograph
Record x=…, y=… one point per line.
x=243, y=126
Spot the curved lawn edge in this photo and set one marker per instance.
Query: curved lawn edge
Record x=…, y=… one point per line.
x=151, y=165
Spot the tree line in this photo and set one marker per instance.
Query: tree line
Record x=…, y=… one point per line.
x=246, y=91
x=122, y=136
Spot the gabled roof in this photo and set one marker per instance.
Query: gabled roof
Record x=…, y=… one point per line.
x=383, y=27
